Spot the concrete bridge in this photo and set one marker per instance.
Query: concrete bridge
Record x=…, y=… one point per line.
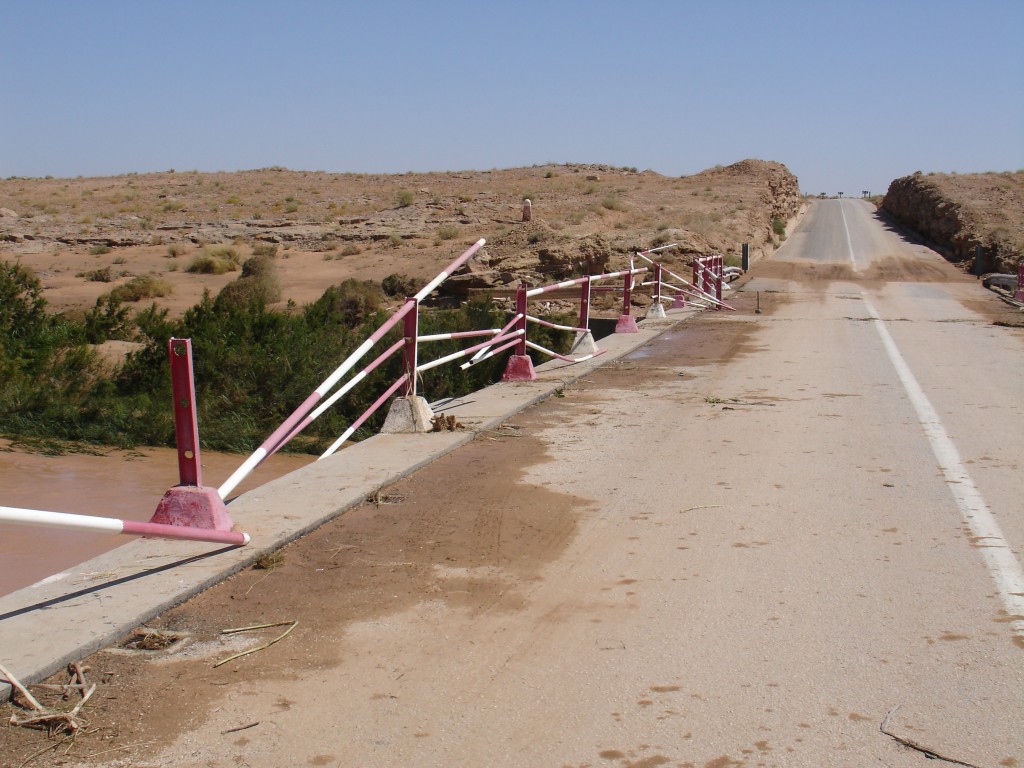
x=786, y=536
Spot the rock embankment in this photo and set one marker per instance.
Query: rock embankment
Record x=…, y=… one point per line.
x=962, y=214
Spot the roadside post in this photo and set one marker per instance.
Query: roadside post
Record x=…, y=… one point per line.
x=189, y=504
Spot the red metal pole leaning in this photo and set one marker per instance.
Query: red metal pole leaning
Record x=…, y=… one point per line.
x=186, y=427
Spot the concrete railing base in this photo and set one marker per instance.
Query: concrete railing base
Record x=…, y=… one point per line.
x=408, y=414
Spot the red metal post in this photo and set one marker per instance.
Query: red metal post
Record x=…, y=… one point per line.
x=411, y=330
x=585, y=303
x=1019, y=293
x=520, y=366
x=521, y=300
x=719, y=263
x=189, y=504
x=186, y=427
x=696, y=272
x=626, y=322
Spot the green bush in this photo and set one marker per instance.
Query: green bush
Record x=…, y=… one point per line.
x=108, y=320
x=404, y=198
x=99, y=249
x=779, y=227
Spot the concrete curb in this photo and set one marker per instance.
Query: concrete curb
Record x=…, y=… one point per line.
x=74, y=613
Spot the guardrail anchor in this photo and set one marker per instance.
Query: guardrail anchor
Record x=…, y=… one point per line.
x=189, y=504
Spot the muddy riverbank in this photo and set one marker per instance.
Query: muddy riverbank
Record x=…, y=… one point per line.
x=123, y=484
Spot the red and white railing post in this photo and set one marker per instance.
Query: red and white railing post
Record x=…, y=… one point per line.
x=657, y=282
x=519, y=366
x=186, y=425
x=1019, y=293
x=719, y=262
x=585, y=303
x=410, y=350
x=189, y=504
x=626, y=322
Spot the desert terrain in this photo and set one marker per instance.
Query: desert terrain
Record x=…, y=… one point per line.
x=85, y=236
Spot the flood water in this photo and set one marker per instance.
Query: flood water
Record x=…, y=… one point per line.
x=125, y=485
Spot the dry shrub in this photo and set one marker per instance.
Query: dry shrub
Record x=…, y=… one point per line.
x=141, y=287
x=215, y=260
x=258, y=283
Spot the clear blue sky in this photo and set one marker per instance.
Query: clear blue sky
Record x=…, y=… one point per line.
x=849, y=95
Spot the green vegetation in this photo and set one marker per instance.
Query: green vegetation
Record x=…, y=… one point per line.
x=253, y=365
x=779, y=227
x=99, y=250
x=404, y=198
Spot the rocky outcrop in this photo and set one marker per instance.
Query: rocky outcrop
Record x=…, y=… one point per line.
x=780, y=189
x=962, y=215
x=534, y=254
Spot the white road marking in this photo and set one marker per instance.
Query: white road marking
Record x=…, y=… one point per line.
x=849, y=244
x=1002, y=564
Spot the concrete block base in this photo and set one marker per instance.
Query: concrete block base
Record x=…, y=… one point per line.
x=408, y=414
x=626, y=324
x=191, y=506
x=519, y=368
x=656, y=312
x=583, y=345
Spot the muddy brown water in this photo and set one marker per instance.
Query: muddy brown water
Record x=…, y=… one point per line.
x=126, y=485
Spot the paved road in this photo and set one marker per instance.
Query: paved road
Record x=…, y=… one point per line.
x=754, y=542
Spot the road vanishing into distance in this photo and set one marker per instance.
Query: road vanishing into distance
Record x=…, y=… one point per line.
x=780, y=538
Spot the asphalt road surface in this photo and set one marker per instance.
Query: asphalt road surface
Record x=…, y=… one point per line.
x=786, y=538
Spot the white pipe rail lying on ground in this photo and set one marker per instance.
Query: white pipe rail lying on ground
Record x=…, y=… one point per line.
x=113, y=525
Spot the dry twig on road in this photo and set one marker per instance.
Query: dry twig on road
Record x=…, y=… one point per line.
x=282, y=636
x=930, y=754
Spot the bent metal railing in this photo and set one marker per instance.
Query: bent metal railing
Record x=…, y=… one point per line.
x=705, y=288
x=176, y=517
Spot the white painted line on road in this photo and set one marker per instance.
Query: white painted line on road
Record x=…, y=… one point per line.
x=849, y=243
x=1002, y=564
